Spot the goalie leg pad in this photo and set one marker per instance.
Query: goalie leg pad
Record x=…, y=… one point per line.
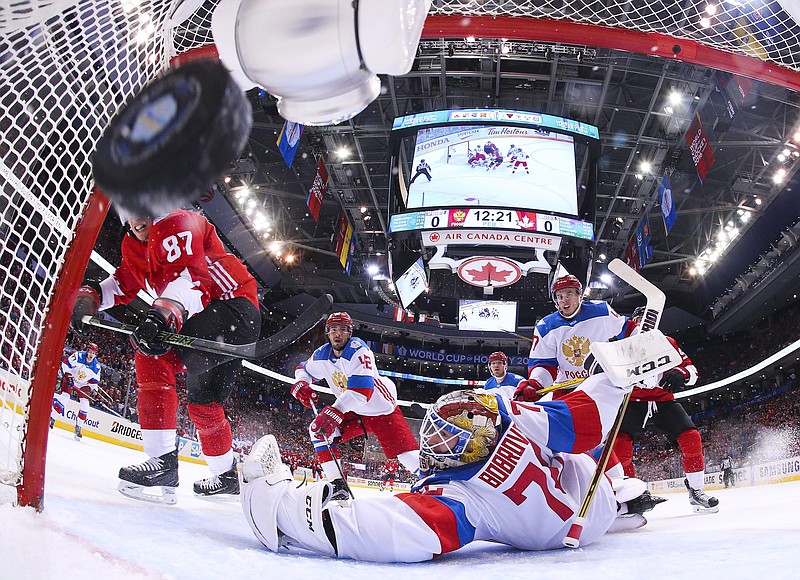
x=260, y=502
x=281, y=515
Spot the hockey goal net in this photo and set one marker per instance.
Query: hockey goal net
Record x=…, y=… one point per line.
x=66, y=66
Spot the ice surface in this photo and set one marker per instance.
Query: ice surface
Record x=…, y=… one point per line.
x=89, y=529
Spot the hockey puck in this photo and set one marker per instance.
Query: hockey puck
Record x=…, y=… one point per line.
x=169, y=144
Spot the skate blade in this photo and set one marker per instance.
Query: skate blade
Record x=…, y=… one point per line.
x=698, y=509
x=134, y=491
x=627, y=522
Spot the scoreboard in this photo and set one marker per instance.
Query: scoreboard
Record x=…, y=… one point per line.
x=490, y=218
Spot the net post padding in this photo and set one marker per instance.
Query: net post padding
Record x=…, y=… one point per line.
x=649, y=43
x=45, y=371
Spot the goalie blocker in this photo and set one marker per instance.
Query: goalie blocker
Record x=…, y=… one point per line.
x=640, y=357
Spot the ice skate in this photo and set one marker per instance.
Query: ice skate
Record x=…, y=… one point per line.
x=222, y=486
x=701, y=503
x=643, y=503
x=78, y=434
x=265, y=461
x=142, y=481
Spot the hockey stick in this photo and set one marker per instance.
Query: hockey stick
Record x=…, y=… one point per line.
x=418, y=411
x=254, y=350
x=652, y=315
x=101, y=402
x=333, y=456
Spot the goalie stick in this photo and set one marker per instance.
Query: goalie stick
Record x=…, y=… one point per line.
x=652, y=315
x=254, y=350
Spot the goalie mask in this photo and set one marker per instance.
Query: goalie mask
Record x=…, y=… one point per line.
x=460, y=428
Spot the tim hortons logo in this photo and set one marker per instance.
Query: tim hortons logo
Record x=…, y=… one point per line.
x=576, y=349
x=496, y=272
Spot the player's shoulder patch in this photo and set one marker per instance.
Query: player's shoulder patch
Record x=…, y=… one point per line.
x=322, y=353
x=353, y=346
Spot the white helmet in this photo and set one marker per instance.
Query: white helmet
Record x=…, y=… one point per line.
x=460, y=428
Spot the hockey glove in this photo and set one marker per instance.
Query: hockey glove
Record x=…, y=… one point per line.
x=303, y=392
x=327, y=422
x=527, y=391
x=164, y=316
x=86, y=304
x=673, y=380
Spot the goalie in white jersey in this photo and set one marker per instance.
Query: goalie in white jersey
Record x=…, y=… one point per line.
x=498, y=470
x=365, y=401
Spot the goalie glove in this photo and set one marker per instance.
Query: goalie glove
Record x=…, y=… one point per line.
x=327, y=422
x=673, y=380
x=527, y=391
x=303, y=392
x=164, y=316
x=87, y=302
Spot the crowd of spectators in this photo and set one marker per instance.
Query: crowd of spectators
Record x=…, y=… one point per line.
x=755, y=421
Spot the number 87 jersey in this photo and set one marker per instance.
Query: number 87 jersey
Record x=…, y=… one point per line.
x=183, y=260
x=353, y=377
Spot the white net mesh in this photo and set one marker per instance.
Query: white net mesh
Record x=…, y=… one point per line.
x=65, y=68
x=760, y=28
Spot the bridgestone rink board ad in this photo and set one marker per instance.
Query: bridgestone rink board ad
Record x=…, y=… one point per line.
x=506, y=167
x=112, y=429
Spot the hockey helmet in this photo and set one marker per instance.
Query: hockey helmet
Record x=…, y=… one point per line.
x=339, y=319
x=92, y=347
x=459, y=428
x=638, y=312
x=563, y=282
x=498, y=355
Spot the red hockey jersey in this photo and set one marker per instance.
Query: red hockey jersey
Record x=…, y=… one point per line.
x=183, y=260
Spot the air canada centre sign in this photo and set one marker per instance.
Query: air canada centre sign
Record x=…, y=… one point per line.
x=491, y=238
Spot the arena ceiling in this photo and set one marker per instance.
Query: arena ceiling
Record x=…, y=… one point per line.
x=642, y=101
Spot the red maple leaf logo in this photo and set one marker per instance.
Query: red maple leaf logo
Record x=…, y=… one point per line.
x=489, y=273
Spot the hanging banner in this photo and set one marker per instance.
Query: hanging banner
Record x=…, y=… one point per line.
x=702, y=155
x=318, y=190
x=667, y=203
x=289, y=141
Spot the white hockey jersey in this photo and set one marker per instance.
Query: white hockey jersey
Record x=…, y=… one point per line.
x=83, y=373
x=352, y=377
x=508, y=385
x=560, y=345
x=525, y=494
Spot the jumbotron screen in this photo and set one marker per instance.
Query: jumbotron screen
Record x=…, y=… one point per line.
x=487, y=315
x=493, y=166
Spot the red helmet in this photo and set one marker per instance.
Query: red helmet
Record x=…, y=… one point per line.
x=339, y=319
x=92, y=347
x=563, y=282
x=501, y=356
